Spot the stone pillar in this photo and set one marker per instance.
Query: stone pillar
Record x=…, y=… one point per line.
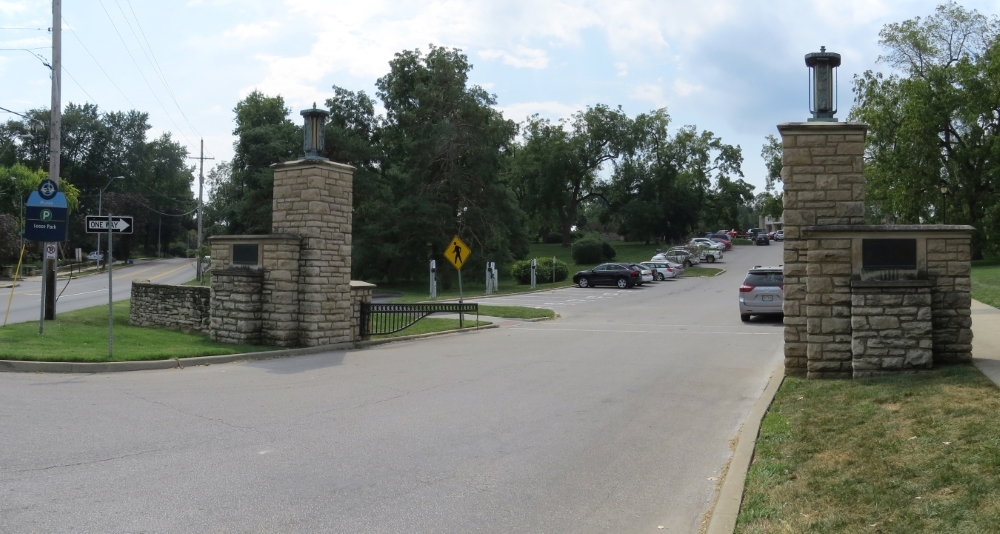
x=313, y=199
x=823, y=175
x=949, y=264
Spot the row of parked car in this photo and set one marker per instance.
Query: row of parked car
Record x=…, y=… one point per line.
x=628, y=274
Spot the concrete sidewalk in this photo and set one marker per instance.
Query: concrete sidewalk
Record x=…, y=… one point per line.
x=986, y=339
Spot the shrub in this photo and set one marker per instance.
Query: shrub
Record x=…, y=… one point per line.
x=521, y=271
x=609, y=251
x=588, y=250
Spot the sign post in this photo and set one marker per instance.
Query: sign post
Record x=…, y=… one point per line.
x=111, y=224
x=458, y=253
x=434, y=285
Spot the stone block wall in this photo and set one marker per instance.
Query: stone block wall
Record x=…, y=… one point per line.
x=949, y=263
x=184, y=307
x=891, y=327
x=313, y=199
x=237, y=306
x=822, y=171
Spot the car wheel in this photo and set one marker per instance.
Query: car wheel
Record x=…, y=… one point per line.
x=745, y=317
x=583, y=282
x=622, y=283
x=711, y=259
x=688, y=263
x=660, y=277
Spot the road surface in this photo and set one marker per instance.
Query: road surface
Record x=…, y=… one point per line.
x=92, y=290
x=617, y=417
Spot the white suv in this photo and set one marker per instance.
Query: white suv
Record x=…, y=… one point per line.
x=762, y=292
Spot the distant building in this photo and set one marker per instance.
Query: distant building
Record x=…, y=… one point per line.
x=771, y=225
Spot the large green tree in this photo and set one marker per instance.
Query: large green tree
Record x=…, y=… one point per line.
x=242, y=192
x=443, y=146
x=934, y=126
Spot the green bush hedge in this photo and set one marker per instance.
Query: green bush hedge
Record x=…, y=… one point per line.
x=592, y=249
x=521, y=271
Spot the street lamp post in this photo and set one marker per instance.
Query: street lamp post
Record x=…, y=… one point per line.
x=100, y=205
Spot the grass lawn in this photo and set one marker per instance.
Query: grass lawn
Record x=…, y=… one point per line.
x=695, y=270
x=904, y=454
x=82, y=336
x=986, y=282
x=741, y=241
x=515, y=312
x=431, y=324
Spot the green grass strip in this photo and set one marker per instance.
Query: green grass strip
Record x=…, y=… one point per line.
x=904, y=454
x=82, y=336
x=432, y=325
x=516, y=312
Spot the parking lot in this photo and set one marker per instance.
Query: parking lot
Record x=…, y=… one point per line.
x=616, y=417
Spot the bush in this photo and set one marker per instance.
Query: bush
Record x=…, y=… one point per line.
x=588, y=250
x=521, y=271
x=592, y=249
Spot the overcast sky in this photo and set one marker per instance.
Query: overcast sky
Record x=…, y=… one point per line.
x=729, y=66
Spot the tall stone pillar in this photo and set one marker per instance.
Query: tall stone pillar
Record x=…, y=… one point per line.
x=313, y=199
x=823, y=175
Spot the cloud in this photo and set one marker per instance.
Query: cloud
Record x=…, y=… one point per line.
x=249, y=31
x=683, y=88
x=523, y=57
x=650, y=93
x=622, y=68
x=549, y=109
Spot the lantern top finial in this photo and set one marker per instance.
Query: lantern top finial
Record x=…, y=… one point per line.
x=823, y=84
x=314, y=137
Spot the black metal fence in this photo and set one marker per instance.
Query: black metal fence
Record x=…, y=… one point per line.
x=381, y=319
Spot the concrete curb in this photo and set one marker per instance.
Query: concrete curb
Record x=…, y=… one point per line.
x=727, y=506
x=500, y=294
x=16, y=366
x=718, y=273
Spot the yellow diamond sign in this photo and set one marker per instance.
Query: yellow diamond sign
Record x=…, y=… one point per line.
x=457, y=252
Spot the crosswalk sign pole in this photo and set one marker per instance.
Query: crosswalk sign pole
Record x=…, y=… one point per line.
x=461, y=316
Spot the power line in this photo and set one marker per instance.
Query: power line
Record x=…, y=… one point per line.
x=136, y=63
x=92, y=99
x=98, y=64
x=151, y=57
x=39, y=29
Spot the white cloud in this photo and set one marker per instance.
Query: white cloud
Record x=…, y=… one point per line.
x=250, y=31
x=548, y=109
x=683, y=88
x=522, y=57
x=622, y=68
x=649, y=93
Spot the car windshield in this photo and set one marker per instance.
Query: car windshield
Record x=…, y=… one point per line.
x=765, y=279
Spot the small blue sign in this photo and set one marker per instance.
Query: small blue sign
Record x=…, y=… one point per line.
x=46, y=218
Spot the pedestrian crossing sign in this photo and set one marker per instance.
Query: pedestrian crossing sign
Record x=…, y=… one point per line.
x=457, y=252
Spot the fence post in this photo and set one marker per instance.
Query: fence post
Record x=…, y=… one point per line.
x=534, y=267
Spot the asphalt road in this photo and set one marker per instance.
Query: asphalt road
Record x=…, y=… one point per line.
x=92, y=290
x=617, y=417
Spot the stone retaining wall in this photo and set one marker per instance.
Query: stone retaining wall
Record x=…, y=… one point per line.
x=891, y=327
x=184, y=307
x=237, y=305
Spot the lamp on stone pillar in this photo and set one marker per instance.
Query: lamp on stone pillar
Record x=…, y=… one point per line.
x=823, y=84
x=315, y=137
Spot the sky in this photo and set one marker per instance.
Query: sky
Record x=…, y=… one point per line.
x=733, y=67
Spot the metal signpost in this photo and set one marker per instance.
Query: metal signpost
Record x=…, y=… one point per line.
x=434, y=283
x=458, y=253
x=534, y=272
x=45, y=220
x=112, y=225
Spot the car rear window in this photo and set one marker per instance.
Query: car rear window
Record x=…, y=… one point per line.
x=765, y=279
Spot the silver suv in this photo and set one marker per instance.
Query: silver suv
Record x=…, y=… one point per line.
x=762, y=292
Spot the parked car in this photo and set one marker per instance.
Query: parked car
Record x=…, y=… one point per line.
x=661, y=269
x=645, y=273
x=770, y=235
x=95, y=256
x=678, y=255
x=752, y=233
x=711, y=250
x=762, y=239
x=779, y=235
x=723, y=238
x=762, y=292
x=614, y=274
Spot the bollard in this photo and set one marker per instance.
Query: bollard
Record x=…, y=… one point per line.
x=434, y=292
x=534, y=273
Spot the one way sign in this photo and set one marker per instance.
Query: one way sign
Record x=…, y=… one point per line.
x=97, y=224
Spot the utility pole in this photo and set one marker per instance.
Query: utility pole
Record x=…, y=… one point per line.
x=49, y=267
x=201, y=188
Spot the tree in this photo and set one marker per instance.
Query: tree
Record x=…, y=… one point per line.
x=770, y=203
x=934, y=124
x=265, y=136
x=443, y=146
x=558, y=166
